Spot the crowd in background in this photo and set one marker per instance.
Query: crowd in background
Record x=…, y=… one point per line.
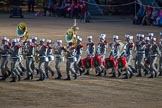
x=65, y=8
x=148, y=16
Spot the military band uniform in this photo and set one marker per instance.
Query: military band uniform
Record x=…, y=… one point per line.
x=42, y=58
x=154, y=52
x=29, y=59
x=71, y=59
x=4, y=60
x=15, y=54
x=48, y=63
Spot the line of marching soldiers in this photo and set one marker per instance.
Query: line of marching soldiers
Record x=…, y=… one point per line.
x=145, y=52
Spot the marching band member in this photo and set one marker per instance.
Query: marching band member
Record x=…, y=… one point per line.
x=71, y=59
x=140, y=49
x=147, y=55
x=151, y=35
x=15, y=54
x=115, y=45
x=135, y=54
x=90, y=51
x=34, y=43
x=160, y=60
x=101, y=51
x=58, y=51
x=30, y=51
x=128, y=51
x=4, y=58
x=21, y=59
x=115, y=50
x=79, y=51
x=50, y=58
x=42, y=52
x=154, y=52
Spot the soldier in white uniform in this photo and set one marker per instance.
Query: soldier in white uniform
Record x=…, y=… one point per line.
x=58, y=51
x=101, y=51
x=90, y=51
x=154, y=52
x=34, y=43
x=15, y=54
x=127, y=52
x=115, y=51
x=79, y=51
x=50, y=59
x=160, y=60
x=140, y=49
x=42, y=52
x=30, y=50
x=71, y=59
x=4, y=58
x=21, y=59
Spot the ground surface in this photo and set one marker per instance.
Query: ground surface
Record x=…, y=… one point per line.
x=87, y=91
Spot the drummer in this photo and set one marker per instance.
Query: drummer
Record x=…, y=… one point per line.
x=101, y=51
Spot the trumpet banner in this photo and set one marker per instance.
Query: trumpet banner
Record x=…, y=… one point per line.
x=122, y=62
x=96, y=61
x=109, y=62
x=87, y=62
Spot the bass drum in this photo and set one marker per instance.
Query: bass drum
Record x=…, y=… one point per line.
x=109, y=63
x=87, y=62
x=96, y=61
x=122, y=63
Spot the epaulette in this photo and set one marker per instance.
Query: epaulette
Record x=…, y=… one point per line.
x=73, y=47
x=45, y=46
x=50, y=47
x=81, y=46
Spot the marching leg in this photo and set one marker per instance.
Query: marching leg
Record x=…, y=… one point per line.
x=57, y=66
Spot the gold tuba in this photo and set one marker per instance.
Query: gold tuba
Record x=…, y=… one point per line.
x=71, y=34
x=22, y=31
x=22, y=34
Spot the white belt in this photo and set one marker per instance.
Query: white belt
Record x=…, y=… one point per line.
x=70, y=57
x=5, y=55
x=15, y=57
x=29, y=56
x=153, y=55
x=140, y=52
x=41, y=56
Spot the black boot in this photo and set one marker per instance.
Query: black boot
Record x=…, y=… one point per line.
x=127, y=76
x=47, y=76
x=19, y=77
x=68, y=78
x=152, y=75
x=157, y=74
x=105, y=73
x=160, y=74
x=4, y=77
x=13, y=79
x=32, y=76
x=58, y=77
x=27, y=78
x=52, y=73
x=139, y=74
x=75, y=76
x=98, y=74
x=87, y=73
